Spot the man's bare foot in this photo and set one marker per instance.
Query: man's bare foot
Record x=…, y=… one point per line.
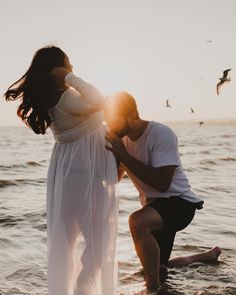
x=207, y=256
x=212, y=255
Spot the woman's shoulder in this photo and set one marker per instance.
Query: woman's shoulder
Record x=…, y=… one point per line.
x=63, y=96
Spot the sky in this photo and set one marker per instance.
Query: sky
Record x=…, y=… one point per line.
x=154, y=49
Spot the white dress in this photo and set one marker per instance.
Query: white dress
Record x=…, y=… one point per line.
x=82, y=201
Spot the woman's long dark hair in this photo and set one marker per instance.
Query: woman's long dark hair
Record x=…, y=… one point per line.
x=37, y=89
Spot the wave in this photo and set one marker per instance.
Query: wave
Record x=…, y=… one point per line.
x=41, y=227
x=190, y=247
x=10, y=221
x=205, y=152
x=190, y=169
x=208, y=162
x=22, y=165
x=36, y=219
x=13, y=291
x=227, y=135
x=32, y=271
x=18, y=182
x=215, y=161
x=227, y=159
x=35, y=215
x=33, y=163
x=5, y=241
x=4, y=183
x=207, y=169
x=218, y=189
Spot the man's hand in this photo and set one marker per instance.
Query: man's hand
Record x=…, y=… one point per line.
x=59, y=73
x=117, y=146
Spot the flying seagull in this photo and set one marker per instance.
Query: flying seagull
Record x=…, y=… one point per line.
x=167, y=104
x=192, y=111
x=200, y=123
x=223, y=80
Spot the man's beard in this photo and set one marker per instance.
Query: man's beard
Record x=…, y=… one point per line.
x=121, y=133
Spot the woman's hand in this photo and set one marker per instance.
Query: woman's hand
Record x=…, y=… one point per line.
x=59, y=73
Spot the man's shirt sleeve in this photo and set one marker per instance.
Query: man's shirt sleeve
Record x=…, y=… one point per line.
x=164, y=151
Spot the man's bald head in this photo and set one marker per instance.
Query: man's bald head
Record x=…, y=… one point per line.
x=122, y=104
x=121, y=112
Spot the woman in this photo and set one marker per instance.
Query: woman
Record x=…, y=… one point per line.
x=81, y=205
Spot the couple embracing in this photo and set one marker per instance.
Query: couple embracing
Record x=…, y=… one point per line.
x=88, y=160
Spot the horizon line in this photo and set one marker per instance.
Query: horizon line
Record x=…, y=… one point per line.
x=189, y=121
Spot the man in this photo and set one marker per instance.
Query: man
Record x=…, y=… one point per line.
x=148, y=152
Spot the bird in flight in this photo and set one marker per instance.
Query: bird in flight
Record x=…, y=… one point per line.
x=192, y=111
x=167, y=104
x=200, y=123
x=223, y=80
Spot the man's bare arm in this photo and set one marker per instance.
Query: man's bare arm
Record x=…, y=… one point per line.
x=121, y=171
x=159, y=178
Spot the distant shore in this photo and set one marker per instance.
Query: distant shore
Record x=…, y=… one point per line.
x=207, y=121
x=175, y=122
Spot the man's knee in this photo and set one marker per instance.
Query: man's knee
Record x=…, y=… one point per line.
x=140, y=221
x=135, y=222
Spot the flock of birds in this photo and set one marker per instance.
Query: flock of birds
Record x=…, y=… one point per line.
x=224, y=79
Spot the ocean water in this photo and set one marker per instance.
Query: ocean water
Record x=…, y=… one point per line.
x=208, y=156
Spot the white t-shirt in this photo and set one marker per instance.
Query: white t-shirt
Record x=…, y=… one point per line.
x=157, y=147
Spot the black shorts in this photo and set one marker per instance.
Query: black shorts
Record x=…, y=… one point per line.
x=176, y=213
